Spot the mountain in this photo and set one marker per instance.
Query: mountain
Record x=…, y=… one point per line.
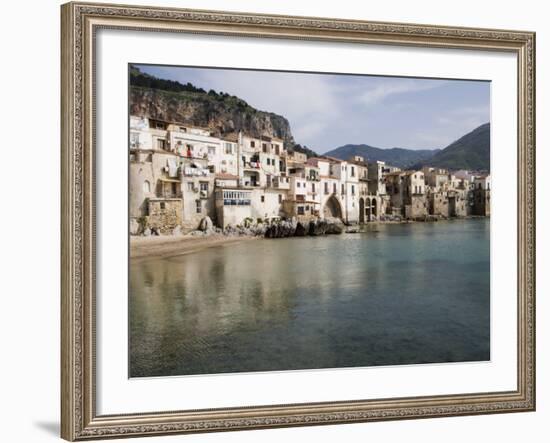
x=220, y=112
x=400, y=157
x=472, y=151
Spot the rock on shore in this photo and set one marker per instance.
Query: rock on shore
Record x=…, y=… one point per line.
x=292, y=228
x=277, y=229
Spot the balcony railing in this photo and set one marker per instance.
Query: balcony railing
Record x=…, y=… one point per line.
x=279, y=183
x=169, y=194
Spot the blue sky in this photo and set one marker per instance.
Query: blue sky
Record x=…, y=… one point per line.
x=326, y=111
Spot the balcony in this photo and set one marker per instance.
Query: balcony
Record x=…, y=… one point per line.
x=195, y=172
x=280, y=183
x=169, y=188
x=251, y=165
x=234, y=197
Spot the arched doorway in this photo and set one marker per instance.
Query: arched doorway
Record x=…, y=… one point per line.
x=332, y=208
x=374, y=208
x=361, y=210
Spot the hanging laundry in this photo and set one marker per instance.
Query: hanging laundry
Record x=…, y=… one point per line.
x=172, y=167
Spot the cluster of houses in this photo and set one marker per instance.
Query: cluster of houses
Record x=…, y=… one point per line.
x=181, y=174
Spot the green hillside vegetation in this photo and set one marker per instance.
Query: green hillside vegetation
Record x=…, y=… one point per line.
x=472, y=152
x=187, y=92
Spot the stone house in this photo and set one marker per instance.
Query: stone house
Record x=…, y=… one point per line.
x=180, y=174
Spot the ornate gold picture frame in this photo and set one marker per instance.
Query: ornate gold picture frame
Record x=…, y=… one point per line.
x=80, y=22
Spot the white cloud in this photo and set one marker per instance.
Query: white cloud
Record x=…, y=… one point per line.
x=384, y=89
x=308, y=130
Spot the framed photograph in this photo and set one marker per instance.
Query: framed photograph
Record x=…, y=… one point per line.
x=277, y=221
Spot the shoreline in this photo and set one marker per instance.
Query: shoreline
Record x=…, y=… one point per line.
x=166, y=246
x=142, y=248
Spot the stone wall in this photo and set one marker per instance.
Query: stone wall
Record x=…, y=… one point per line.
x=458, y=204
x=438, y=204
x=482, y=202
x=164, y=215
x=417, y=209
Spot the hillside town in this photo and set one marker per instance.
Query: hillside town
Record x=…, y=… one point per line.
x=181, y=175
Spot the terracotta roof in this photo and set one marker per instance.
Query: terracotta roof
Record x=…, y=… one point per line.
x=333, y=159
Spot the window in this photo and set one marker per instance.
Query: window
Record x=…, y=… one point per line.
x=280, y=198
x=211, y=150
x=298, y=184
x=313, y=187
x=343, y=190
x=353, y=171
x=264, y=147
x=146, y=186
x=334, y=188
x=252, y=144
x=199, y=206
x=262, y=198
x=301, y=210
x=162, y=205
x=326, y=188
x=161, y=144
x=228, y=148
x=204, y=186
x=352, y=190
x=134, y=139
x=190, y=186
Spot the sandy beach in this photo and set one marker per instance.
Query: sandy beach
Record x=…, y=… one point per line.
x=169, y=246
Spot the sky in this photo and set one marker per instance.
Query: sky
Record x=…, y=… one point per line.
x=326, y=111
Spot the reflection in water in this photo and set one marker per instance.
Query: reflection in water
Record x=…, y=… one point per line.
x=399, y=294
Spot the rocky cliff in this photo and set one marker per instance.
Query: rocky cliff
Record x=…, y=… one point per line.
x=222, y=114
